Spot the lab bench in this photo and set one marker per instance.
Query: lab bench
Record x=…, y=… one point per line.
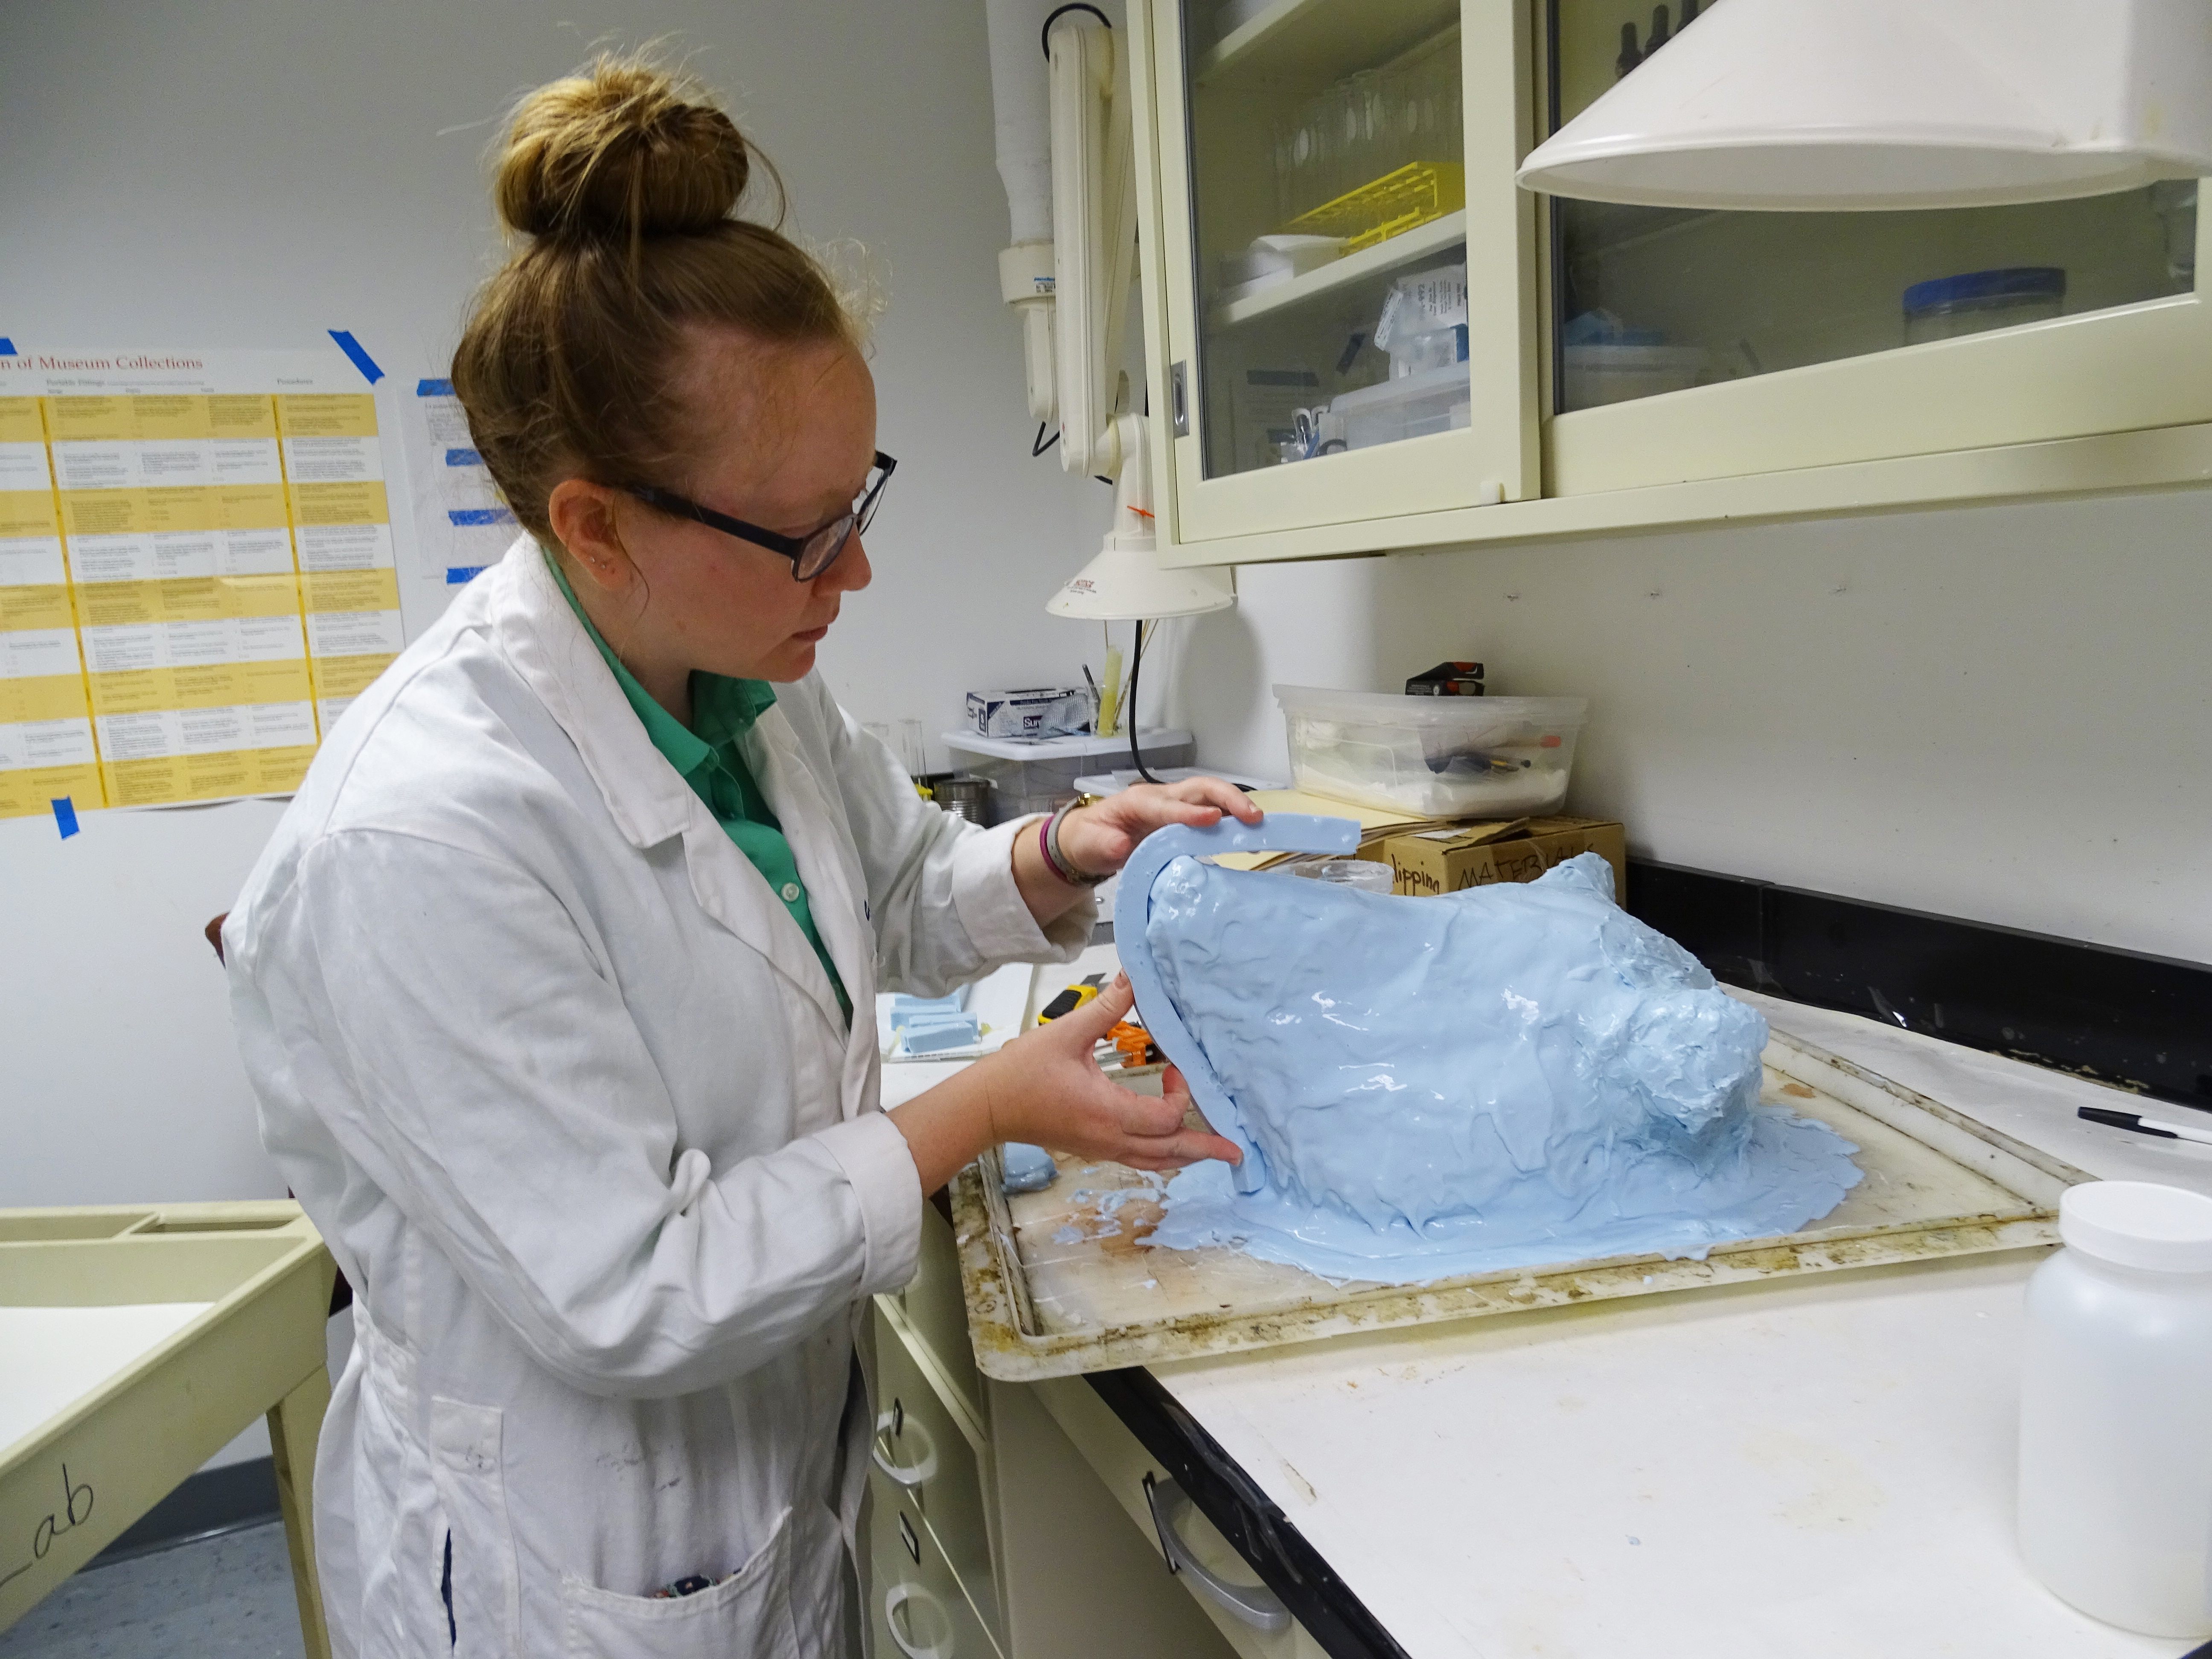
x=139, y=1341
x=1821, y=1467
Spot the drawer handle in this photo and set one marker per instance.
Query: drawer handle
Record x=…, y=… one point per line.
x=908, y=1475
x=1254, y=1604
x=895, y=1604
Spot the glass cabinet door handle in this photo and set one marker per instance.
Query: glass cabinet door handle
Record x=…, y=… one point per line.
x=1253, y=1604
x=908, y=1475
x=1179, y=400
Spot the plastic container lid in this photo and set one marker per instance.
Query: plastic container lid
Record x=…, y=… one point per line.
x=2138, y=1224
x=2014, y=283
x=1389, y=708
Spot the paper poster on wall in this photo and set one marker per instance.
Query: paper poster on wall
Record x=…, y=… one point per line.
x=180, y=553
x=47, y=752
x=190, y=491
x=461, y=525
x=342, y=528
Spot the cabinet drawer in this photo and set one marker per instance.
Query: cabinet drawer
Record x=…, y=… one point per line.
x=916, y=1607
x=920, y=1451
x=1121, y=1463
x=937, y=1311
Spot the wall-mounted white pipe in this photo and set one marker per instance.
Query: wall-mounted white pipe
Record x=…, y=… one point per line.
x=1020, y=114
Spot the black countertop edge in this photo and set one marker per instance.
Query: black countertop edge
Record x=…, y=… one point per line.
x=2137, y=1021
x=1260, y=1533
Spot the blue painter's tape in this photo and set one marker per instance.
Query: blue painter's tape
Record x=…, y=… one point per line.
x=463, y=458
x=479, y=515
x=361, y=360
x=7, y=346
x=458, y=574
x=433, y=388
x=66, y=815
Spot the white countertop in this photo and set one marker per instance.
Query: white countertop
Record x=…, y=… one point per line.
x=1815, y=1468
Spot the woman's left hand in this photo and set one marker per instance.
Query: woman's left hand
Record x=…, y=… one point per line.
x=1098, y=839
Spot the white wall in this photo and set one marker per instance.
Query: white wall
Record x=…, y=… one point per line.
x=250, y=172
x=2002, y=713
x=1999, y=712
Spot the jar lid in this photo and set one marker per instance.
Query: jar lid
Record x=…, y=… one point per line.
x=2138, y=1224
x=2013, y=281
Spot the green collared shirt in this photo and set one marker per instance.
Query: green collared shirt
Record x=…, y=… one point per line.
x=707, y=756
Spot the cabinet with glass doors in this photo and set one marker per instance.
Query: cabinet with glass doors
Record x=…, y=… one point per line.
x=1366, y=336
x=1337, y=274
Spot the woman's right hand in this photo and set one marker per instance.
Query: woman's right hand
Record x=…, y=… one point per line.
x=1044, y=1088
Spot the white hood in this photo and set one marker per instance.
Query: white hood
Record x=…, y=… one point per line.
x=1813, y=105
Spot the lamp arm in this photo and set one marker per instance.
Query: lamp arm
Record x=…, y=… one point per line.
x=1092, y=176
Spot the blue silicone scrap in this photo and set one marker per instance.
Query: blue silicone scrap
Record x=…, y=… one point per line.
x=930, y=1037
x=465, y=516
x=433, y=388
x=458, y=575
x=1279, y=832
x=464, y=458
x=906, y=1009
x=1028, y=1168
x=66, y=815
x=360, y=358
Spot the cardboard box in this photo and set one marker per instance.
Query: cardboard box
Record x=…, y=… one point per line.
x=1043, y=711
x=1431, y=861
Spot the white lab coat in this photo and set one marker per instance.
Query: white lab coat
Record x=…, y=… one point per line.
x=571, y=1098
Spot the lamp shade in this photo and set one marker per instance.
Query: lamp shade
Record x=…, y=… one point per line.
x=1809, y=104
x=1125, y=584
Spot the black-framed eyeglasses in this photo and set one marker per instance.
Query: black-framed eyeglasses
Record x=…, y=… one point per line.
x=811, y=553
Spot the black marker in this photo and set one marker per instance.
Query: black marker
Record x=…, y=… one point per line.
x=2147, y=1126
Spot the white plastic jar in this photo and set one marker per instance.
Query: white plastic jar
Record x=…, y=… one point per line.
x=2116, y=1409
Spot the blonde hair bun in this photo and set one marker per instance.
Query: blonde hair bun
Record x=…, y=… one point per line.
x=622, y=151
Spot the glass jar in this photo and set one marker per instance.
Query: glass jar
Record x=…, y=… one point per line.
x=1982, y=299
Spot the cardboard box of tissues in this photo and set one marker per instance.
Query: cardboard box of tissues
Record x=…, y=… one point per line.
x=1431, y=861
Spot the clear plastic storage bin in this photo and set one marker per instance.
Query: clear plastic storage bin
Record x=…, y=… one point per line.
x=1435, y=400
x=1607, y=372
x=1037, y=775
x=1442, y=757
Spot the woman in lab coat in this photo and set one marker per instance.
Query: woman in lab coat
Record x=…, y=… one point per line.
x=555, y=981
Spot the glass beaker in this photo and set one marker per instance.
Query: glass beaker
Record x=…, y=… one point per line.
x=913, y=752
